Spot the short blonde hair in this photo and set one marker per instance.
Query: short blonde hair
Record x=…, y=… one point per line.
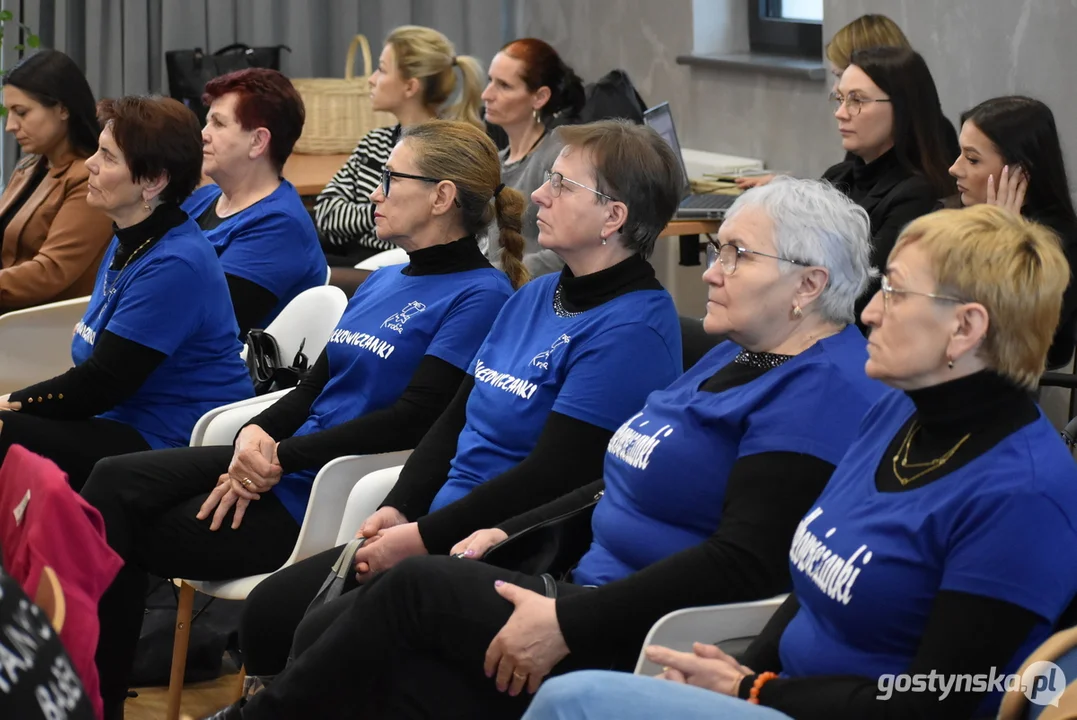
x=1013, y=267
x=867, y=31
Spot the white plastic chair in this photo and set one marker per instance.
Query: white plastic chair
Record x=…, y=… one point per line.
x=364, y=499
x=396, y=256
x=321, y=523
x=712, y=624
x=35, y=343
x=308, y=320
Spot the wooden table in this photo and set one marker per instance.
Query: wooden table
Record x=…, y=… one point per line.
x=311, y=173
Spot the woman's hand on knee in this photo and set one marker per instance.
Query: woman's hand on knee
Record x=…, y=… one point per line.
x=221, y=499
x=254, y=460
x=390, y=547
x=382, y=519
x=476, y=544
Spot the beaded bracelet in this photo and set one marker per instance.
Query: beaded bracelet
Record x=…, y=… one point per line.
x=753, y=696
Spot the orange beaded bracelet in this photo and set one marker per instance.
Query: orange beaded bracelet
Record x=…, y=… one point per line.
x=753, y=696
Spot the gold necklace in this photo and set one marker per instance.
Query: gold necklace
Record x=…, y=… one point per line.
x=109, y=291
x=930, y=464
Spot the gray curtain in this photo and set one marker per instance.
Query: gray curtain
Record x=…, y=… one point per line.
x=121, y=44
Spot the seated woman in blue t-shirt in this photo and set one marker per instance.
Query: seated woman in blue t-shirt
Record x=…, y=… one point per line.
x=571, y=356
x=157, y=346
x=394, y=362
x=944, y=549
x=264, y=236
x=702, y=490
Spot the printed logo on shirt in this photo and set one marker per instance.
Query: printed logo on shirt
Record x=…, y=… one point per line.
x=542, y=360
x=85, y=332
x=504, y=381
x=364, y=341
x=396, y=321
x=633, y=446
x=831, y=573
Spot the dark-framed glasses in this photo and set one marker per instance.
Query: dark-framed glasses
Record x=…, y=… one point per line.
x=727, y=255
x=853, y=102
x=557, y=181
x=888, y=290
x=387, y=176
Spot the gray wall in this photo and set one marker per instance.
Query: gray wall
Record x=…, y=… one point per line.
x=976, y=49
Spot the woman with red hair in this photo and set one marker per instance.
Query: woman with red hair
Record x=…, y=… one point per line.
x=264, y=236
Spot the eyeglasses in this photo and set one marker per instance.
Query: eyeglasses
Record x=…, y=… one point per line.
x=387, y=176
x=728, y=254
x=853, y=102
x=889, y=290
x=557, y=181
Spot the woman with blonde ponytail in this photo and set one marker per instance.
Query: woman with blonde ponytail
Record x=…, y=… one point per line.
x=570, y=357
x=418, y=73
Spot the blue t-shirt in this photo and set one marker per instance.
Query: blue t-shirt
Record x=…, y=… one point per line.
x=391, y=322
x=596, y=366
x=174, y=299
x=867, y=565
x=273, y=243
x=666, y=467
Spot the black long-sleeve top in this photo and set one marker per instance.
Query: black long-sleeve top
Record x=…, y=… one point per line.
x=399, y=426
x=965, y=633
x=567, y=455
x=117, y=367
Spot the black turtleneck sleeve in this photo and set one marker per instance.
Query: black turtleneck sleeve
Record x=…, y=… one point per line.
x=399, y=426
x=117, y=367
x=251, y=302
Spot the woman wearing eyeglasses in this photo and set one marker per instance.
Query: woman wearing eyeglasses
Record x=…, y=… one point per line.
x=395, y=361
x=703, y=487
x=571, y=356
x=944, y=547
x=887, y=113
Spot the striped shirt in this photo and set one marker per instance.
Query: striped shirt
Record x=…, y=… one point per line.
x=343, y=211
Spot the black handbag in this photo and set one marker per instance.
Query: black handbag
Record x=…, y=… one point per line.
x=552, y=547
x=190, y=70
x=268, y=372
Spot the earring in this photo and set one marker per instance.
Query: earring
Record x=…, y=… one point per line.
x=145, y=205
x=950, y=362
x=797, y=312
x=603, y=241
x=535, y=114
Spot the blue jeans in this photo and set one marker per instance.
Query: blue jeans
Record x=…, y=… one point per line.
x=600, y=694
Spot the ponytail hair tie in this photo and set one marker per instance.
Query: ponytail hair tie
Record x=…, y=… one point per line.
x=454, y=61
x=498, y=189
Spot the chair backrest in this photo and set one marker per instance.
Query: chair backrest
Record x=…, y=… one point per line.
x=35, y=343
x=308, y=320
x=695, y=341
x=330, y=494
x=220, y=425
x=50, y=598
x=396, y=256
x=364, y=499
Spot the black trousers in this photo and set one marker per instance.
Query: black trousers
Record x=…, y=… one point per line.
x=409, y=644
x=149, y=501
x=273, y=612
x=74, y=445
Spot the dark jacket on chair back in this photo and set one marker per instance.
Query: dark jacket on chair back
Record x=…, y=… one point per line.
x=892, y=197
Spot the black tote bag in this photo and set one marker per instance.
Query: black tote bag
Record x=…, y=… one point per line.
x=190, y=70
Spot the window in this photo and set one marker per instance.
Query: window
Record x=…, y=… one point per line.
x=786, y=27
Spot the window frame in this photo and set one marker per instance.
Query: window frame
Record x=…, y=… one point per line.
x=769, y=33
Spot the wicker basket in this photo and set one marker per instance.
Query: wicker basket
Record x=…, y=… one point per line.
x=339, y=112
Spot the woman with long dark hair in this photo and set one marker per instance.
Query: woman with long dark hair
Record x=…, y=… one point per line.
x=1011, y=156
x=52, y=240
x=887, y=108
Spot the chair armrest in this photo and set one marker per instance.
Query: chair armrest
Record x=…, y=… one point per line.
x=1058, y=379
x=712, y=624
x=220, y=425
x=364, y=499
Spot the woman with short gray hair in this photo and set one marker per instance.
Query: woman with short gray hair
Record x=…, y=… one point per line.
x=702, y=490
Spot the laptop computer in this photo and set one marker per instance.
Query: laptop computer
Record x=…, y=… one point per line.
x=692, y=207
